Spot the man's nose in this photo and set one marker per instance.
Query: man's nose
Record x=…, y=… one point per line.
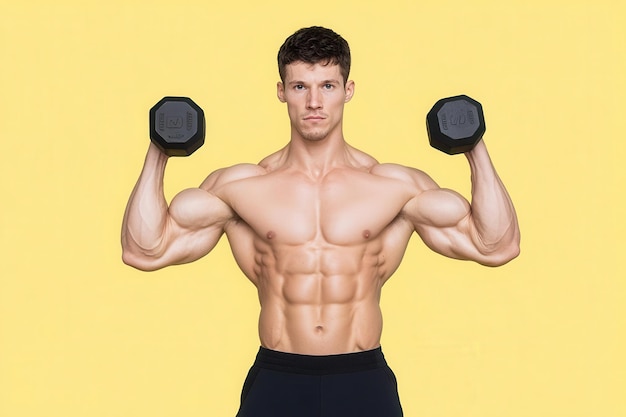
x=314, y=99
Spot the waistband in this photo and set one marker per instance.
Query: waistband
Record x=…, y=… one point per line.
x=320, y=365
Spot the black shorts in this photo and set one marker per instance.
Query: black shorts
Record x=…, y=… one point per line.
x=291, y=385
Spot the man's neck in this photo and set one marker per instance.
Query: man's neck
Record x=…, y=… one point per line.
x=317, y=158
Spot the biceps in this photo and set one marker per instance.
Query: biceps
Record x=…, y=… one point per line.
x=195, y=209
x=442, y=219
x=195, y=224
x=439, y=208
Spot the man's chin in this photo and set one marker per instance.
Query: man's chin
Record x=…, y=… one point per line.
x=314, y=135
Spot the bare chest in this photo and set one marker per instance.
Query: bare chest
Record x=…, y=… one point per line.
x=341, y=209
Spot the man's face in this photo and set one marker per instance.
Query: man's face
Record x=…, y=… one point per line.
x=315, y=95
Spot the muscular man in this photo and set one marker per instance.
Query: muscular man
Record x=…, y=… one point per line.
x=318, y=227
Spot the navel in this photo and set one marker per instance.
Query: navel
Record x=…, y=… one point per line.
x=319, y=329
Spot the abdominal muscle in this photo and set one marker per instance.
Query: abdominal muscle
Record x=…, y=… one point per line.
x=319, y=301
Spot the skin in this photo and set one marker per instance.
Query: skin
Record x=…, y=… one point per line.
x=319, y=226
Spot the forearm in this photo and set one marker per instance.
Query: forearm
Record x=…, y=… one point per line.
x=492, y=212
x=145, y=217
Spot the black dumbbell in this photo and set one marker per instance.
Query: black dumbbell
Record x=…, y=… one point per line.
x=177, y=126
x=455, y=124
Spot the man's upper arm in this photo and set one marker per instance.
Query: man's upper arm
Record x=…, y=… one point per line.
x=441, y=218
x=203, y=213
x=193, y=226
x=196, y=220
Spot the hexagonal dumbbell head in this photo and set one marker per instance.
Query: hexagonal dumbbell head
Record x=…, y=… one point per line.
x=177, y=126
x=455, y=124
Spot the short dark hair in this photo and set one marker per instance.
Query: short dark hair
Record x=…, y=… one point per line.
x=315, y=45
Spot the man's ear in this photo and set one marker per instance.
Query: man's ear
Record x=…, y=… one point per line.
x=280, y=91
x=349, y=90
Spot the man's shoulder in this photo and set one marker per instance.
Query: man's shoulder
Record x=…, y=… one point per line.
x=397, y=171
x=403, y=173
x=224, y=176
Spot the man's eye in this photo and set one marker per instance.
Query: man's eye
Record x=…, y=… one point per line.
x=298, y=87
x=328, y=86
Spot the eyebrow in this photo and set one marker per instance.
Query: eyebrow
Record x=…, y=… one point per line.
x=296, y=82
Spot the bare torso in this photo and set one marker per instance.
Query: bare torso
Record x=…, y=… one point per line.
x=318, y=250
x=319, y=244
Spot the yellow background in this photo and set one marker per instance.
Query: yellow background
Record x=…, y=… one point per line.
x=81, y=334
